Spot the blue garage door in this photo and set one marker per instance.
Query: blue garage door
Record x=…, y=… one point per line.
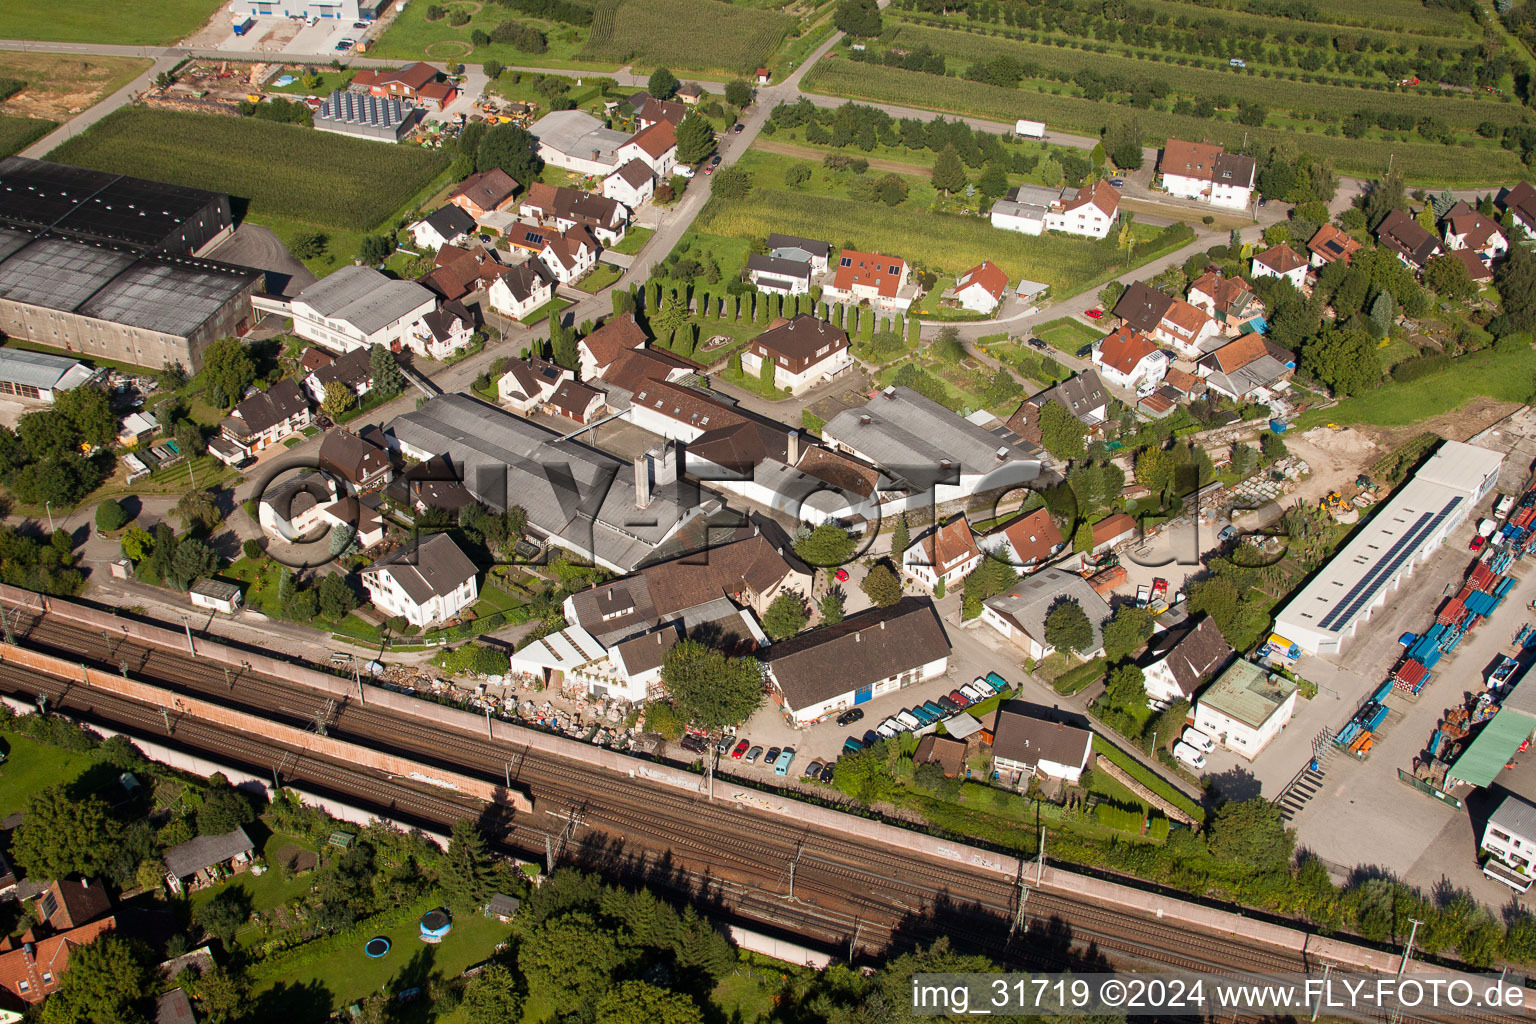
x=863, y=694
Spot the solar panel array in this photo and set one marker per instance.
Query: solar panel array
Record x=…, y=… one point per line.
x=1369, y=585
x=362, y=108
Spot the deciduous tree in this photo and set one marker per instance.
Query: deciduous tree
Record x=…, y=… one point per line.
x=881, y=586
x=711, y=690
x=662, y=84
x=60, y=836
x=1251, y=834
x=107, y=983
x=825, y=547
x=786, y=616
x=110, y=515
x=1067, y=627
x=1061, y=432
x=636, y=1002
x=227, y=371
x=1126, y=632
x=338, y=398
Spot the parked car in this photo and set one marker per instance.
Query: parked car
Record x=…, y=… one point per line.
x=786, y=758
x=950, y=707
x=1476, y=544
x=1199, y=740
x=1189, y=755
x=1094, y=314
x=923, y=714
x=753, y=755
x=724, y=746
x=360, y=25
x=841, y=575
x=1040, y=344
x=976, y=693
x=959, y=697
x=885, y=730
x=871, y=737
x=851, y=745
x=1237, y=62
x=738, y=128
x=909, y=721
x=936, y=709
x=1227, y=533
x=813, y=771
x=695, y=744
x=714, y=162
x=771, y=756
x=344, y=45
x=850, y=716
x=683, y=171
x=826, y=772
x=1117, y=182
x=741, y=748
x=997, y=682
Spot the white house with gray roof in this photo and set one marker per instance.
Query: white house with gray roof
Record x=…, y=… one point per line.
x=1510, y=842
x=1019, y=613
x=427, y=582
x=930, y=454
x=578, y=142
x=358, y=307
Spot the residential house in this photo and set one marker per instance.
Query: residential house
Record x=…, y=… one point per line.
x=1180, y=661
x=1230, y=301
x=431, y=484
x=205, y=859
x=354, y=371
x=69, y=903
x=945, y=751
x=1520, y=201
x=1477, y=269
x=768, y=464
x=1167, y=319
x=928, y=453
x=1198, y=170
x=518, y=291
x=631, y=184
x=804, y=351
x=820, y=673
x=445, y=331
x=598, y=350
x=32, y=968
x=361, y=460
x=1283, y=262
x=654, y=391
x=1126, y=357
x=801, y=250
x=1019, y=613
x=1509, y=839
x=570, y=255
x=871, y=277
x=267, y=417
x=981, y=289
x=945, y=555
x=405, y=83
x=690, y=93
x=529, y=382
x=443, y=226
x=575, y=401
x=577, y=141
x=1023, y=209
x=292, y=510
x=771, y=274
x=484, y=193
x=1407, y=238
x=430, y=581
x=1025, y=746
x=1088, y=212
x=1083, y=396
x=654, y=111
x=1330, y=244
x=1113, y=531
x=567, y=208
x=459, y=273
x=656, y=147
x=1247, y=368
x=215, y=596
x=1245, y=708
x=358, y=307
x=1027, y=542
x=1465, y=228
x=1186, y=385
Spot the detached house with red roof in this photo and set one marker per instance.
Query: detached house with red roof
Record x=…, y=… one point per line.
x=1407, y=238
x=871, y=277
x=1283, y=262
x=1520, y=201
x=1331, y=244
x=1230, y=301
x=1126, y=357
x=1465, y=228
x=485, y=192
x=1198, y=170
x=406, y=83
x=1089, y=211
x=1248, y=368
x=570, y=255
x=804, y=351
x=1028, y=542
x=565, y=208
x=945, y=555
x=1169, y=320
x=655, y=146
x=32, y=969
x=981, y=289
x=600, y=349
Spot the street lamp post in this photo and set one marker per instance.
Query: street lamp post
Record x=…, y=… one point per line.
x=48, y=508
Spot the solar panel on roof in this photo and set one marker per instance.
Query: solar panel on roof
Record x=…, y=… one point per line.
x=1366, y=588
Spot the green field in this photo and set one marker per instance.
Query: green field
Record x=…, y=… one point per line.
x=284, y=170
x=329, y=82
x=17, y=133
x=1067, y=334
x=1506, y=376
x=412, y=36
x=32, y=767
x=1420, y=161
x=706, y=35
x=132, y=23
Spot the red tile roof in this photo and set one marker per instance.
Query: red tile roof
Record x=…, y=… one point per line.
x=1033, y=536
x=485, y=189
x=1115, y=526
x=1282, y=259
x=1100, y=194
x=949, y=546
x=988, y=275
x=1330, y=243
x=1124, y=348
x=33, y=958
x=869, y=269
x=656, y=140
x=619, y=333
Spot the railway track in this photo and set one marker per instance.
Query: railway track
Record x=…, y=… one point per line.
x=838, y=892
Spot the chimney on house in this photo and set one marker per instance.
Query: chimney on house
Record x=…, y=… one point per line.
x=642, y=482
x=792, y=448
x=664, y=463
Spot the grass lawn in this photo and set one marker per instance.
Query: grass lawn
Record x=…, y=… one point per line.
x=329, y=82
x=269, y=889
x=634, y=241
x=89, y=21
x=1502, y=375
x=544, y=312
x=1068, y=334
x=17, y=133
x=603, y=275
x=669, y=33
x=755, y=384
x=349, y=975
x=1144, y=775
x=411, y=36
x=32, y=767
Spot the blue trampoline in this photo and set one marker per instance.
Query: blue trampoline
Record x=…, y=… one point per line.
x=376, y=946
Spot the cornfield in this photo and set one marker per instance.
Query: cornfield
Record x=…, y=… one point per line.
x=284, y=170
x=704, y=34
x=17, y=133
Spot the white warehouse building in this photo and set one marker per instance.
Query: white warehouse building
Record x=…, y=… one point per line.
x=1406, y=530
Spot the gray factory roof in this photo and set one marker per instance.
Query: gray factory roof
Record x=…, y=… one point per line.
x=568, y=490
x=1028, y=601
x=577, y=134
x=100, y=204
x=171, y=294
x=363, y=297
x=41, y=370
x=905, y=433
x=362, y=108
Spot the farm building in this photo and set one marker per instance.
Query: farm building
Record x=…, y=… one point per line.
x=41, y=376
x=364, y=116
x=1405, y=530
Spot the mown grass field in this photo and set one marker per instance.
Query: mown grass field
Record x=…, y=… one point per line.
x=17, y=133
x=285, y=171
x=1420, y=161
x=704, y=34
x=1507, y=376
x=412, y=36
x=57, y=86
x=31, y=767
x=135, y=23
